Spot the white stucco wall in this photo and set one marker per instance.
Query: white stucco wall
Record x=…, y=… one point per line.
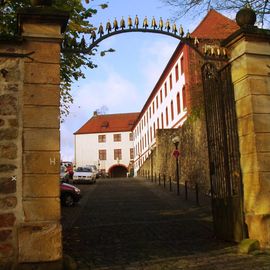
x=87, y=149
x=142, y=154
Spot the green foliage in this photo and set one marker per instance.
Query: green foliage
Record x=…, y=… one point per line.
x=74, y=59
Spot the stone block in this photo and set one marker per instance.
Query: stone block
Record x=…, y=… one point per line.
x=261, y=122
x=5, y=235
x=13, y=122
x=8, y=203
x=259, y=228
x=7, y=186
x=41, y=117
x=41, y=162
x=263, y=160
x=46, y=52
x=42, y=73
x=8, y=105
x=260, y=48
x=244, y=107
x=13, y=70
x=40, y=243
x=260, y=104
x=247, y=144
x=249, y=64
x=248, y=245
x=8, y=150
x=41, y=139
x=245, y=125
x=251, y=186
x=8, y=133
x=7, y=168
x=263, y=142
x=249, y=163
x=6, y=250
x=11, y=87
x=42, y=209
x=7, y=220
x=42, y=30
x=35, y=94
x=41, y=185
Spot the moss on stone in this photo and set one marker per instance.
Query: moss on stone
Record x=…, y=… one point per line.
x=247, y=246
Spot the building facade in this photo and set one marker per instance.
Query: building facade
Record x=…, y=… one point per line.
x=177, y=92
x=165, y=108
x=179, y=88
x=107, y=142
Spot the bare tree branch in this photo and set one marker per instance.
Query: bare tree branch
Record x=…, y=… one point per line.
x=196, y=7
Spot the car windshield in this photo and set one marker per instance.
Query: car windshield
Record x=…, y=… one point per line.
x=83, y=169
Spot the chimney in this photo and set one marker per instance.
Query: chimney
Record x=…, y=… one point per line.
x=95, y=113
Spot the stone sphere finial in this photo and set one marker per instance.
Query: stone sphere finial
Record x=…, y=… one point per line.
x=36, y=3
x=246, y=17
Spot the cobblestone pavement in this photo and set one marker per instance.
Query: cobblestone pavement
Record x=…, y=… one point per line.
x=137, y=225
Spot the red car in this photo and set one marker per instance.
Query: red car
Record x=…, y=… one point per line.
x=69, y=194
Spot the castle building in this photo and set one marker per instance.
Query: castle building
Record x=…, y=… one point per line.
x=179, y=88
x=107, y=142
x=176, y=93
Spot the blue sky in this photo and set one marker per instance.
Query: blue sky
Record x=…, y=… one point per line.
x=124, y=79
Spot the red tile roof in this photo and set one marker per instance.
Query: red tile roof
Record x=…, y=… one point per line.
x=215, y=26
x=109, y=123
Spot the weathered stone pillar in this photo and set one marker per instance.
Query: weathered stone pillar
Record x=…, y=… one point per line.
x=39, y=227
x=250, y=59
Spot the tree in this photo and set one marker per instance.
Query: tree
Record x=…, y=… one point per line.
x=187, y=7
x=74, y=55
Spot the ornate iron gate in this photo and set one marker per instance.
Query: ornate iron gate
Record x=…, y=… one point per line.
x=224, y=157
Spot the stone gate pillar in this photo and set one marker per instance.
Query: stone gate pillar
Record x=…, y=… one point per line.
x=30, y=227
x=249, y=48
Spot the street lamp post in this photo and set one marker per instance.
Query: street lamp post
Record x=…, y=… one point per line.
x=176, y=154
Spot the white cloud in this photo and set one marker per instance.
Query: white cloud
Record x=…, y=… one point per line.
x=115, y=92
x=155, y=56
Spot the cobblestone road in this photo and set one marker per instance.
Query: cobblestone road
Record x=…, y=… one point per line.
x=136, y=225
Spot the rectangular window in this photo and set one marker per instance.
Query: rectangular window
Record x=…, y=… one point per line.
x=176, y=73
x=167, y=117
x=160, y=94
x=117, y=154
x=182, y=65
x=131, y=153
x=165, y=89
x=102, y=154
x=162, y=121
x=101, y=138
x=170, y=81
x=117, y=137
x=153, y=107
x=157, y=102
x=172, y=114
x=158, y=123
x=178, y=103
x=150, y=112
x=131, y=136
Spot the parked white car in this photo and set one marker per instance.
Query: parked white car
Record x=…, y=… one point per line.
x=94, y=170
x=84, y=175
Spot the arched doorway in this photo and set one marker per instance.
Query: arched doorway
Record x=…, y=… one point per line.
x=118, y=170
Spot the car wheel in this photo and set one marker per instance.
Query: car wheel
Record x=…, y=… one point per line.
x=68, y=200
